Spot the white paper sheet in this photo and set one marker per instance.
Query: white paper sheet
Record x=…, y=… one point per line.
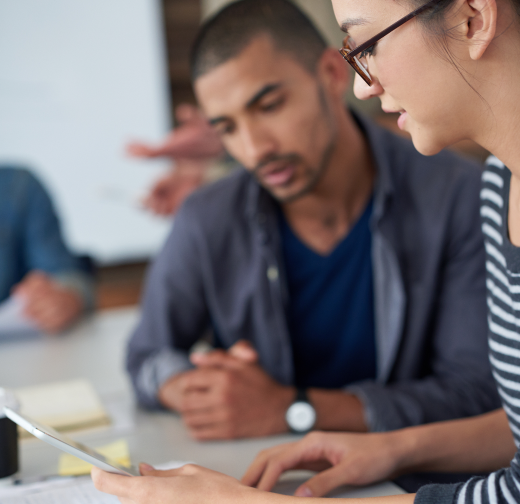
x=67, y=491
x=12, y=320
x=64, y=491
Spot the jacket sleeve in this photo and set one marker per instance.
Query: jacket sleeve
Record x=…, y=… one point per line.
x=457, y=381
x=43, y=245
x=174, y=311
x=500, y=487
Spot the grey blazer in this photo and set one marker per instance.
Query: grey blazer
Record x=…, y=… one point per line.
x=222, y=268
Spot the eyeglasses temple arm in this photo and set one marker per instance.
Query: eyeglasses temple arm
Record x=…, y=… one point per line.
x=391, y=28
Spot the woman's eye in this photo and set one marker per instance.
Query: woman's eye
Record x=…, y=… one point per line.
x=369, y=51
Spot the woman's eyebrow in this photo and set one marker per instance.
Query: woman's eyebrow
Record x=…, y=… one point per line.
x=352, y=22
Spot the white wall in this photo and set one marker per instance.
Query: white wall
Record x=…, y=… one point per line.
x=78, y=79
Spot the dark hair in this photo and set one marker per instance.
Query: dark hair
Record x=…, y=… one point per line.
x=434, y=21
x=227, y=33
x=434, y=17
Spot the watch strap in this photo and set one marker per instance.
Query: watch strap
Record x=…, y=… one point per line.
x=301, y=395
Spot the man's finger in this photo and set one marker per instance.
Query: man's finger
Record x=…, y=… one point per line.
x=198, y=379
x=213, y=432
x=202, y=418
x=196, y=401
x=244, y=351
x=323, y=482
x=216, y=359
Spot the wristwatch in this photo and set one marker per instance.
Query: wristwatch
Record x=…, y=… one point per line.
x=300, y=416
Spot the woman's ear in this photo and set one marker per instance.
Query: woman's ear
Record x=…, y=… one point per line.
x=333, y=72
x=481, y=26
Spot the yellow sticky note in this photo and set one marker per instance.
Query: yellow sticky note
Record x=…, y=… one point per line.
x=73, y=466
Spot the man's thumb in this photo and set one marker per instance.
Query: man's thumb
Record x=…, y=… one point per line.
x=244, y=351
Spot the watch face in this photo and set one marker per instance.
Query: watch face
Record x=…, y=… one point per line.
x=301, y=416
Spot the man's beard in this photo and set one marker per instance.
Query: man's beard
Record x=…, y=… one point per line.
x=314, y=174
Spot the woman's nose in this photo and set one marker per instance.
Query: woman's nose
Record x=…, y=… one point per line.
x=363, y=91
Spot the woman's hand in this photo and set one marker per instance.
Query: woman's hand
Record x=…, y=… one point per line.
x=190, y=484
x=342, y=459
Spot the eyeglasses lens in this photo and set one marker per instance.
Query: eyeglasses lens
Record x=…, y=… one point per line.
x=358, y=63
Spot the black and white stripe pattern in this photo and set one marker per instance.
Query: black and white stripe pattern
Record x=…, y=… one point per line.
x=503, y=291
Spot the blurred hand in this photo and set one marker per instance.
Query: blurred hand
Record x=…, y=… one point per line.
x=342, y=459
x=192, y=139
x=49, y=305
x=228, y=396
x=168, y=193
x=193, y=145
x=187, y=485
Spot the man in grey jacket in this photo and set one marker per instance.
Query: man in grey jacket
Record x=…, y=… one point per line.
x=352, y=269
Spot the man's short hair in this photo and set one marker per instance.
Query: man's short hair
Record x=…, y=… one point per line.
x=226, y=34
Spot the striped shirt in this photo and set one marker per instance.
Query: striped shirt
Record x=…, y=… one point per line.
x=503, y=299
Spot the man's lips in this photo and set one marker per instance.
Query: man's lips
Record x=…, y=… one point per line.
x=279, y=175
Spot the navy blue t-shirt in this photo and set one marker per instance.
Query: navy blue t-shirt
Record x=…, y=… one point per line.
x=331, y=308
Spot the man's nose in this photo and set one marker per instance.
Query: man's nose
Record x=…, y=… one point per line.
x=363, y=91
x=257, y=144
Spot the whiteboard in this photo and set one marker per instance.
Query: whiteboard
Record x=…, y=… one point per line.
x=78, y=80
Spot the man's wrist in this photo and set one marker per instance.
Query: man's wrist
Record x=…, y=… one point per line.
x=337, y=410
x=167, y=393
x=284, y=399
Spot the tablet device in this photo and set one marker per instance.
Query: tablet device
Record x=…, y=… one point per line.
x=49, y=435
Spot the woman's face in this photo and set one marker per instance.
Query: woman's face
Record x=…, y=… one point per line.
x=410, y=74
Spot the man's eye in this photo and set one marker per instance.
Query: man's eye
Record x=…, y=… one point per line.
x=369, y=51
x=268, y=107
x=225, y=130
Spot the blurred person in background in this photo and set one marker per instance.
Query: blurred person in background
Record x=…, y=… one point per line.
x=35, y=265
x=339, y=270
x=193, y=146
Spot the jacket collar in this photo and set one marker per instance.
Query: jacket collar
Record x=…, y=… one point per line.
x=379, y=141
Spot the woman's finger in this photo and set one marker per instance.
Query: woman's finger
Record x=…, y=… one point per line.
x=113, y=484
x=323, y=482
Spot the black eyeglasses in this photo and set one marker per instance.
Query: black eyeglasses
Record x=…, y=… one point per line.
x=356, y=56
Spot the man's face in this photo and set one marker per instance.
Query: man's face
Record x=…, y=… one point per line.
x=273, y=117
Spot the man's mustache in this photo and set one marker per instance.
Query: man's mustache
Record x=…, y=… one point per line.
x=286, y=158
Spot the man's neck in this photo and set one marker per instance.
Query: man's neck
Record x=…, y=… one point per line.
x=322, y=218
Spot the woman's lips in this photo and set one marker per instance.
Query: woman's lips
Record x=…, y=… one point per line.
x=402, y=120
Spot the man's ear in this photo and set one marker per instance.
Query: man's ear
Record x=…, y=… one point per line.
x=333, y=72
x=481, y=26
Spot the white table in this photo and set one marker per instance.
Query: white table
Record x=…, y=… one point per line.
x=95, y=350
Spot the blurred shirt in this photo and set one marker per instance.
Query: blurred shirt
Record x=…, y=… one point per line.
x=330, y=313
x=30, y=237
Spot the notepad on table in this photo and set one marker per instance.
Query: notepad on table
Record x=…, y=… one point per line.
x=65, y=406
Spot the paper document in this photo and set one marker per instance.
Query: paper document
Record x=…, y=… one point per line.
x=118, y=452
x=69, y=491
x=13, y=322
x=65, y=406
x=64, y=491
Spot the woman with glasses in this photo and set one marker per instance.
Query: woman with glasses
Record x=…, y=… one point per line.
x=451, y=68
